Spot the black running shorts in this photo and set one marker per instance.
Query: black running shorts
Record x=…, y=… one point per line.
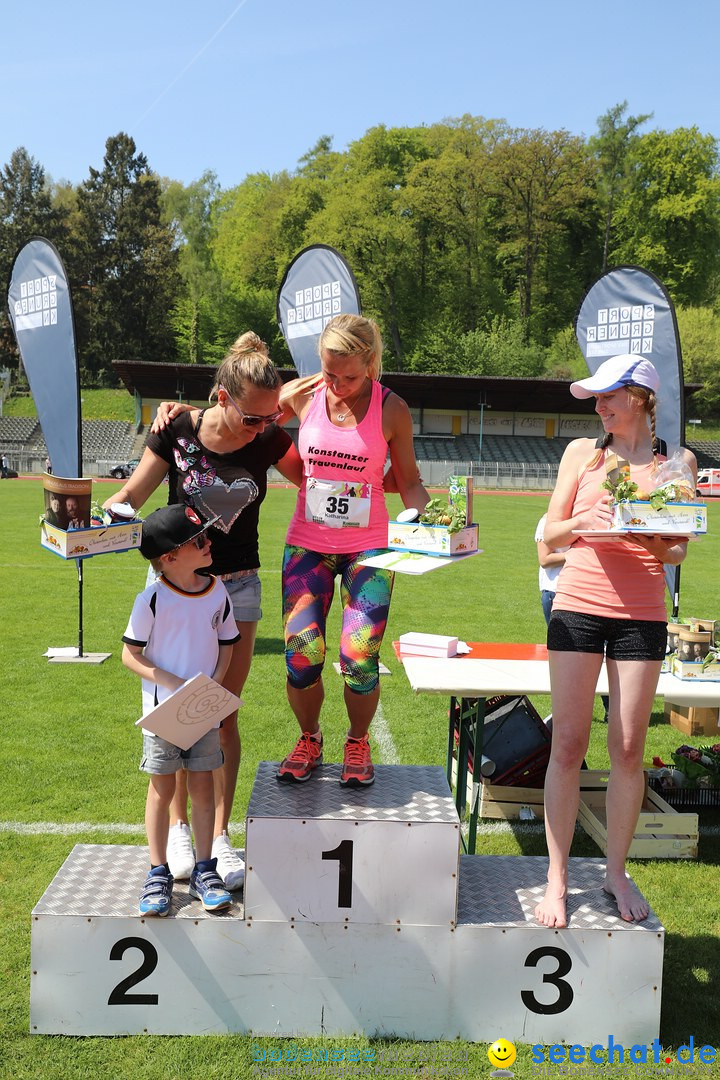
x=619, y=639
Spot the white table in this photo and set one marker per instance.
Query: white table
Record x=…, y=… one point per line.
x=472, y=679
x=467, y=677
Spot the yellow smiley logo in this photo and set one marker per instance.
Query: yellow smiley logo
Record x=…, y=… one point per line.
x=502, y=1054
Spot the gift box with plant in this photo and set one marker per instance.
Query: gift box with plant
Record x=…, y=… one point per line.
x=669, y=508
x=439, y=530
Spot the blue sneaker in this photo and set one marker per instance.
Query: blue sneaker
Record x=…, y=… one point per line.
x=157, y=894
x=207, y=886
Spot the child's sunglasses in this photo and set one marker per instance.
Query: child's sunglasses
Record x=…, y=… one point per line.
x=199, y=541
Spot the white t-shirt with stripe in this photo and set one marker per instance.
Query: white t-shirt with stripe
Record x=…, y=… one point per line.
x=180, y=631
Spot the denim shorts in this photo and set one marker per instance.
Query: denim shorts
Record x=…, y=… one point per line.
x=619, y=639
x=546, y=600
x=161, y=758
x=245, y=595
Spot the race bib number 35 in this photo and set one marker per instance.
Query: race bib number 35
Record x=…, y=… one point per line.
x=339, y=504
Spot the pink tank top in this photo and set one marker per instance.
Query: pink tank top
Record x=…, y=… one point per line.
x=611, y=578
x=341, y=506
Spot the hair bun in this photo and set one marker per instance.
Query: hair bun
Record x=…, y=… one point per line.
x=250, y=342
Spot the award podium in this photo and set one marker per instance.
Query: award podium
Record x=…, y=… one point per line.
x=360, y=916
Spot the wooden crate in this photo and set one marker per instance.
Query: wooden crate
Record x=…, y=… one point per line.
x=693, y=721
x=661, y=833
x=504, y=801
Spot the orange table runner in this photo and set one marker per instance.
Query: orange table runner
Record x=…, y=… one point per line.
x=490, y=650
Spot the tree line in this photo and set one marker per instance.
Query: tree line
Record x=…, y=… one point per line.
x=472, y=243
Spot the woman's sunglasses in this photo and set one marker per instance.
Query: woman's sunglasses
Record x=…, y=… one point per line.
x=247, y=418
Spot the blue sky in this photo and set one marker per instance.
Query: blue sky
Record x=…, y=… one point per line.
x=241, y=86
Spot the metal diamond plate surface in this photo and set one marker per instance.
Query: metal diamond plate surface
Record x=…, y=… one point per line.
x=400, y=793
x=107, y=879
x=503, y=890
x=494, y=890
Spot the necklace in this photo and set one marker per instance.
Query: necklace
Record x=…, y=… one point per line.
x=348, y=408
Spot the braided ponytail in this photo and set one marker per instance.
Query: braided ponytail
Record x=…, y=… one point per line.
x=652, y=409
x=649, y=401
x=604, y=443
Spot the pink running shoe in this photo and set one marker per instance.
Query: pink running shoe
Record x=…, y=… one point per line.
x=357, y=770
x=298, y=765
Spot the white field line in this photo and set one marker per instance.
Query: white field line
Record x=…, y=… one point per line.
x=69, y=828
x=501, y=828
x=382, y=735
x=72, y=828
x=498, y=828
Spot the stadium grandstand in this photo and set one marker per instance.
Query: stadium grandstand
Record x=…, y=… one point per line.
x=104, y=443
x=507, y=432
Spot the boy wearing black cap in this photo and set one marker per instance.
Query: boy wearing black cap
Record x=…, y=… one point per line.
x=181, y=625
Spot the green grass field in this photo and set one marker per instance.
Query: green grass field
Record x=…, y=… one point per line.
x=72, y=753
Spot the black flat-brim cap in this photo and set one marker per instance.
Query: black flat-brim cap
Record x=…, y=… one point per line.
x=170, y=527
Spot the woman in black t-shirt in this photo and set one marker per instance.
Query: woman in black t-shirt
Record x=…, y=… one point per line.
x=216, y=460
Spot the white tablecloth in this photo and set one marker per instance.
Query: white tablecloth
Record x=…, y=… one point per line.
x=465, y=677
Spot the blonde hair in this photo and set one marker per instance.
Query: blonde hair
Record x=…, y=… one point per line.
x=247, y=362
x=649, y=403
x=354, y=335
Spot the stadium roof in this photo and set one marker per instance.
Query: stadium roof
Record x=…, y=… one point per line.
x=192, y=382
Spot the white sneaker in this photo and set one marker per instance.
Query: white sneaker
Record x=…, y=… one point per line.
x=180, y=854
x=230, y=866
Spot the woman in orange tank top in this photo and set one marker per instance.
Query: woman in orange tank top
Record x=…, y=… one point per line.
x=610, y=602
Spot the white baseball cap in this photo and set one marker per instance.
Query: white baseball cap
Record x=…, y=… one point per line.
x=629, y=369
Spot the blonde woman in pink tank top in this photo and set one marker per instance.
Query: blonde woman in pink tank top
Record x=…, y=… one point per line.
x=348, y=425
x=610, y=601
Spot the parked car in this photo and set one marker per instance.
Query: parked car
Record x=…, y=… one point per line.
x=122, y=471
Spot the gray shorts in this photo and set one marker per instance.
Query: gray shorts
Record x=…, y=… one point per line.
x=245, y=595
x=160, y=758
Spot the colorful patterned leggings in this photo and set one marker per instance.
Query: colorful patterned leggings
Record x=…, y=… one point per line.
x=308, y=584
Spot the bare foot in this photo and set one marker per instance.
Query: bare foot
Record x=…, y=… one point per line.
x=631, y=904
x=551, y=909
